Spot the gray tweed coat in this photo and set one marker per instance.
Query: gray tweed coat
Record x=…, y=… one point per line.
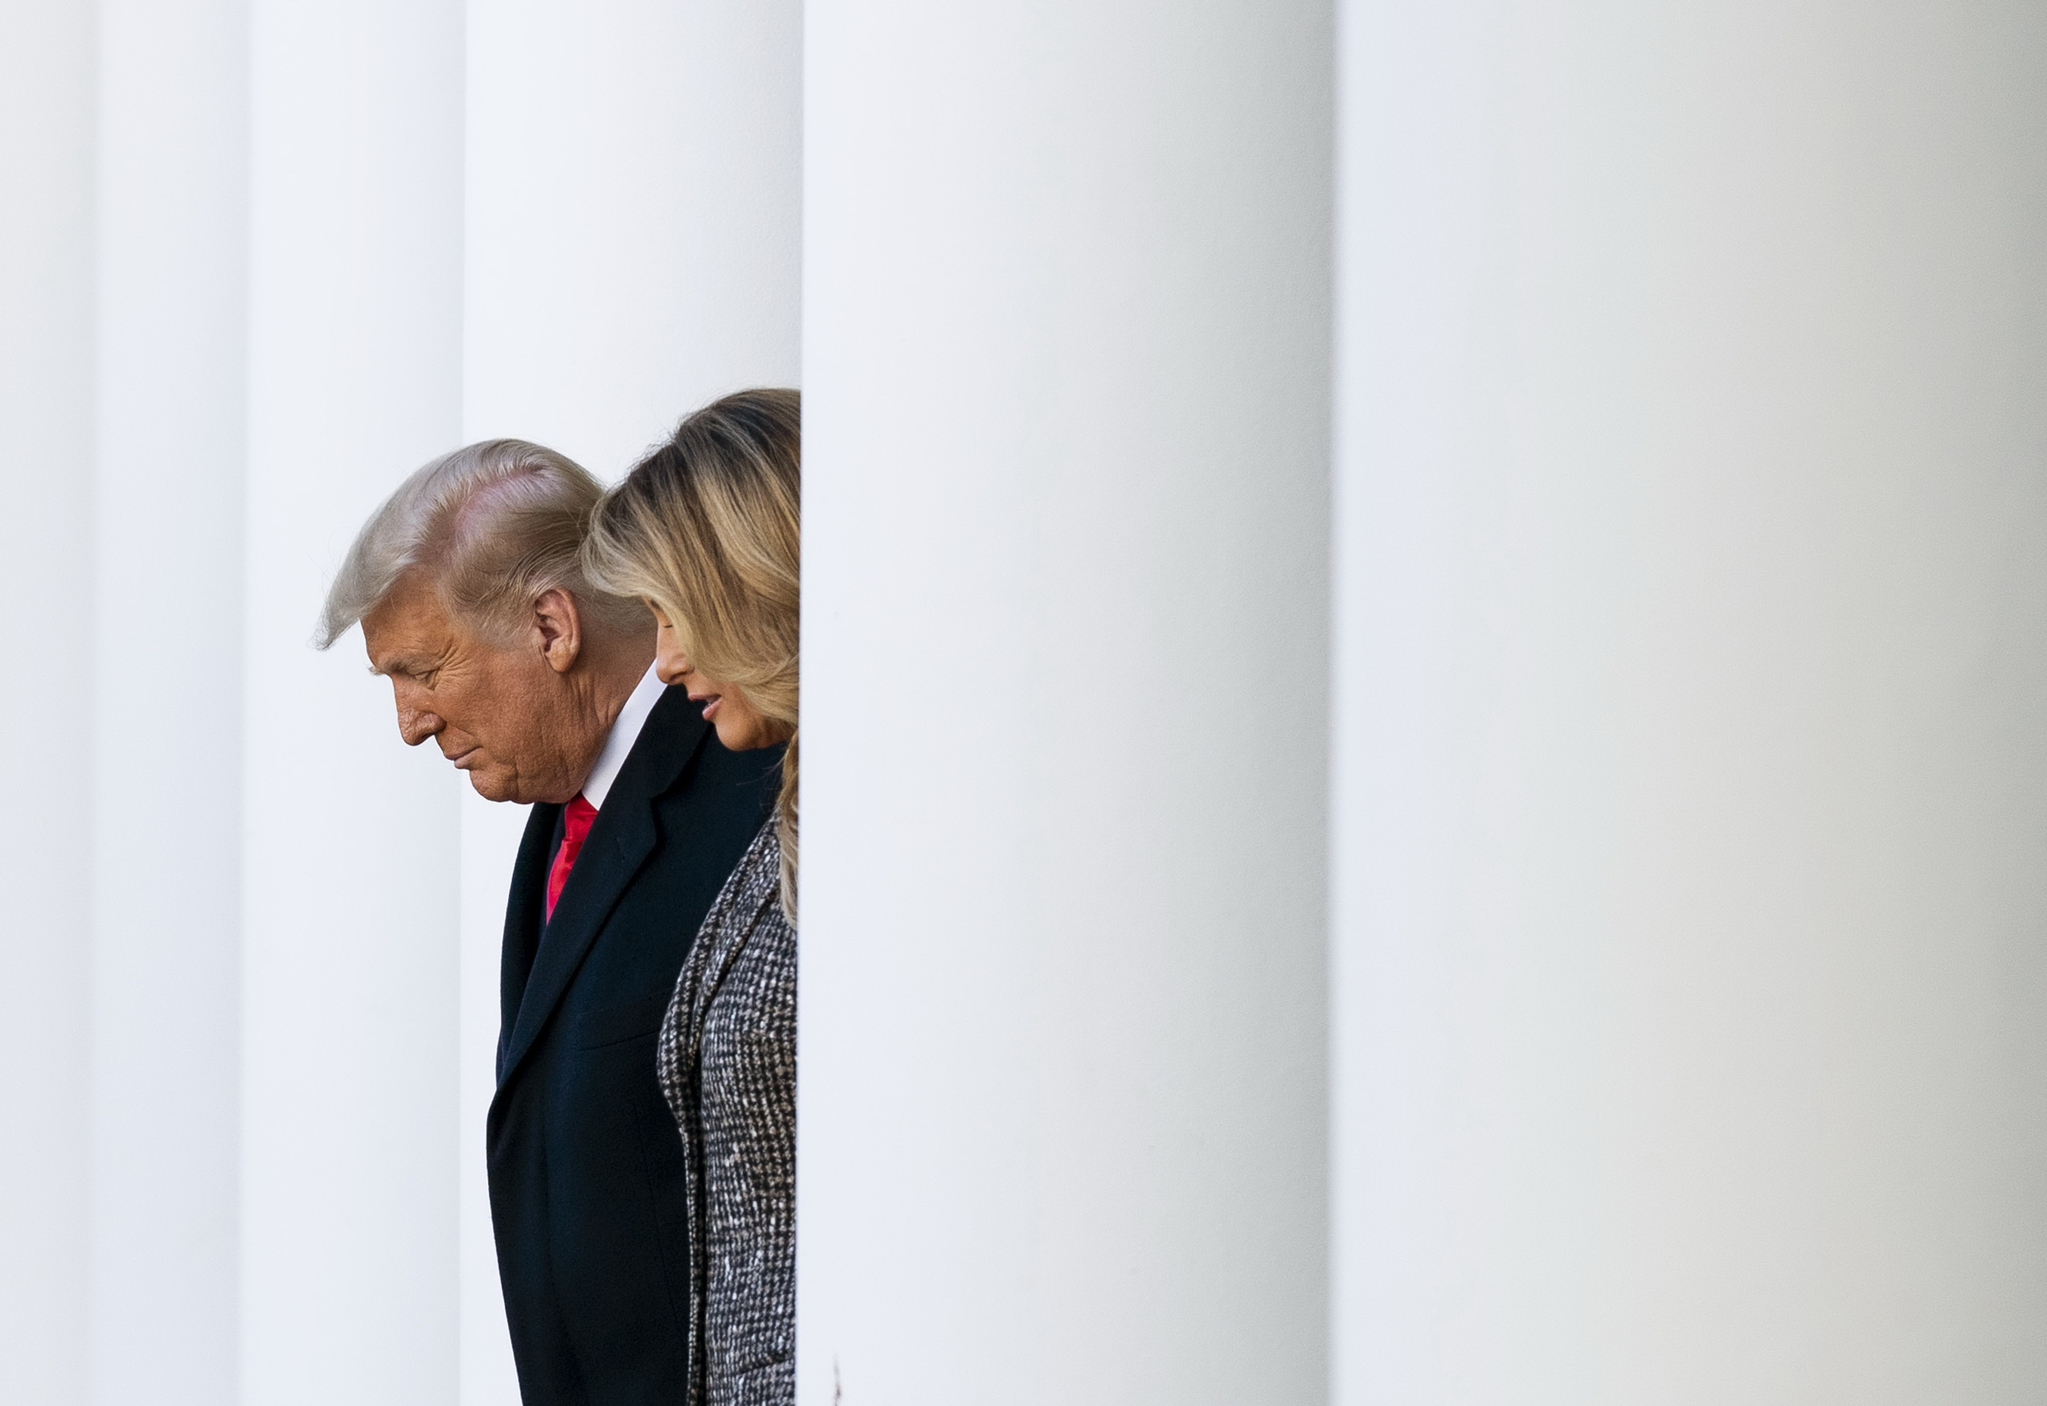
x=728, y=1066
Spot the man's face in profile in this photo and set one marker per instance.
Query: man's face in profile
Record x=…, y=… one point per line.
x=501, y=712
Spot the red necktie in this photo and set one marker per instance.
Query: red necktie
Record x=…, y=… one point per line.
x=576, y=821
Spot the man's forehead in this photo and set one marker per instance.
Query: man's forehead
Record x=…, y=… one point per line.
x=409, y=626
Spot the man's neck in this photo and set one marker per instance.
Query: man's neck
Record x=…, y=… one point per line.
x=614, y=678
x=613, y=684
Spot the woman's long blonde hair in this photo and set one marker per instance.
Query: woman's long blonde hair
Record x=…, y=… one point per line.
x=709, y=528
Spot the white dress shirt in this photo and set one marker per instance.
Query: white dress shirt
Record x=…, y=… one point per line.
x=624, y=732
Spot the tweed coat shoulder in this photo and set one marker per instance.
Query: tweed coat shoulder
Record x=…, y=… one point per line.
x=728, y=1066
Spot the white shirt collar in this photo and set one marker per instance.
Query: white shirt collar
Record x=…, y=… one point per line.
x=626, y=731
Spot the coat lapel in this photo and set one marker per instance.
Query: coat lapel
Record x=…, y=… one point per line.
x=624, y=834
x=523, y=911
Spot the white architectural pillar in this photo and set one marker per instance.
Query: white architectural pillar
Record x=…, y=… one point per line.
x=1062, y=1097
x=46, y=284
x=1692, y=672
x=350, y=1001
x=165, y=730
x=631, y=252
x=634, y=186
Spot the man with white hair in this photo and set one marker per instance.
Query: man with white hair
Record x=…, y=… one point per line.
x=467, y=586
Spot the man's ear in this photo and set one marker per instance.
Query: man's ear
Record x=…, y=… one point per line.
x=560, y=628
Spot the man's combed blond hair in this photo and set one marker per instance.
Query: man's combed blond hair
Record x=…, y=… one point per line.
x=492, y=527
x=709, y=528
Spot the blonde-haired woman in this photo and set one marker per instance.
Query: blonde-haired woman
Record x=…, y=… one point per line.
x=706, y=531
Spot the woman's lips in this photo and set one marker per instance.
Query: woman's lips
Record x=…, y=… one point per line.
x=710, y=702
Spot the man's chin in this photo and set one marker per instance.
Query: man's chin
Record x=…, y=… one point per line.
x=492, y=785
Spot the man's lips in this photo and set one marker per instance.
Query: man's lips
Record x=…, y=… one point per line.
x=462, y=756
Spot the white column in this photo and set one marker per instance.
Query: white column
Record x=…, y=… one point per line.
x=46, y=229
x=1066, y=440
x=631, y=252
x=634, y=186
x=350, y=999
x=1692, y=622
x=166, y=725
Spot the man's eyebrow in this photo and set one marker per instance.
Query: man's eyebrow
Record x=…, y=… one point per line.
x=405, y=666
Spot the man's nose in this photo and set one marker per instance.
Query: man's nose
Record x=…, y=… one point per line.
x=416, y=725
